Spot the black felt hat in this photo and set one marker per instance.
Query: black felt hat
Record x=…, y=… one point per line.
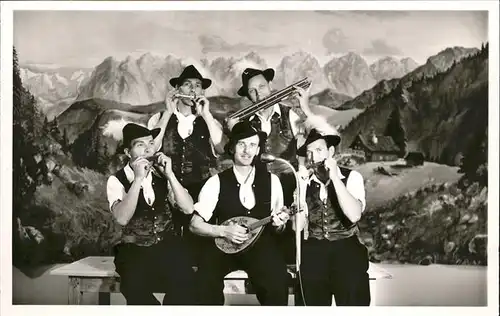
x=133, y=131
x=249, y=73
x=314, y=135
x=190, y=72
x=243, y=130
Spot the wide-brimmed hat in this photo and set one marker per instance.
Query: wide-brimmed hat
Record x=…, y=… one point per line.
x=243, y=130
x=133, y=131
x=249, y=73
x=190, y=72
x=314, y=135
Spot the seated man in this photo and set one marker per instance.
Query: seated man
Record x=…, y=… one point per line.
x=333, y=260
x=242, y=190
x=150, y=257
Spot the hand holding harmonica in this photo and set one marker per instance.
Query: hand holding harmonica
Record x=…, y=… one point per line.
x=171, y=101
x=141, y=167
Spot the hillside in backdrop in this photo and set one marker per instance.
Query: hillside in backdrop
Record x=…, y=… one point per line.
x=436, y=112
x=435, y=64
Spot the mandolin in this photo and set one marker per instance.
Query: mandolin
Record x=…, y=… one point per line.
x=254, y=227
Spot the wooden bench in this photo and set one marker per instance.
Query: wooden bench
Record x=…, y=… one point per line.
x=97, y=275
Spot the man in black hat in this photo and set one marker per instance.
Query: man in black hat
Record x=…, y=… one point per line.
x=189, y=134
x=284, y=130
x=242, y=190
x=143, y=200
x=280, y=122
x=334, y=262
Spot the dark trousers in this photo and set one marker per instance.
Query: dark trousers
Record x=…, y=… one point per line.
x=160, y=268
x=263, y=263
x=336, y=268
x=194, y=243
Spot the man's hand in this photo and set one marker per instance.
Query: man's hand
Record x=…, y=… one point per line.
x=202, y=106
x=164, y=164
x=303, y=98
x=141, y=167
x=171, y=101
x=235, y=233
x=331, y=165
x=231, y=122
x=280, y=217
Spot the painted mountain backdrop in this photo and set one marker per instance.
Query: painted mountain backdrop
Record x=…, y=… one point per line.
x=144, y=79
x=61, y=166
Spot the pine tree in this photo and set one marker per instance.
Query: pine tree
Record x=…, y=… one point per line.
x=25, y=168
x=396, y=130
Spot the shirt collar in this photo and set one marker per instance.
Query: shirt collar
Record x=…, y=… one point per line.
x=242, y=177
x=129, y=173
x=183, y=117
x=313, y=177
x=276, y=110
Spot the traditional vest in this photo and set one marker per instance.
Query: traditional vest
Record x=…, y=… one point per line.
x=326, y=219
x=280, y=142
x=149, y=224
x=192, y=157
x=229, y=204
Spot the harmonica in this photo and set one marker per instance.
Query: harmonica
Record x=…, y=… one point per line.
x=191, y=97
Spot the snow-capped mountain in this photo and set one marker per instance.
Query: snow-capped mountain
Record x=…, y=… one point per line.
x=52, y=85
x=297, y=66
x=389, y=67
x=349, y=74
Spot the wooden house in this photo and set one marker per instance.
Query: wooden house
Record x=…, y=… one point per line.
x=376, y=148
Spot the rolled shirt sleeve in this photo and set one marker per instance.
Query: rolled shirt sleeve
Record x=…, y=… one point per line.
x=277, y=201
x=208, y=198
x=356, y=186
x=115, y=191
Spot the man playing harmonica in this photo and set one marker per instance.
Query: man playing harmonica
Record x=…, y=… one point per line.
x=334, y=262
x=242, y=190
x=142, y=201
x=189, y=134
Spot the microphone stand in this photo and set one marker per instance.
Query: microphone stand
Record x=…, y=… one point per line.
x=270, y=158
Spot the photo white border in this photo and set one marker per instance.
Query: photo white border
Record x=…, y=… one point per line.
x=7, y=8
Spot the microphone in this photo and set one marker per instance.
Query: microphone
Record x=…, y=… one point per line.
x=265, y=157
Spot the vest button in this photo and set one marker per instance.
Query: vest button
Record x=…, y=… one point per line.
x=325, y=213
x=326, y=221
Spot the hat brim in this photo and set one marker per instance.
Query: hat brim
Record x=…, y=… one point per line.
x=331, y=140
x=268, y=74
x=177, y=81
x=232, y=142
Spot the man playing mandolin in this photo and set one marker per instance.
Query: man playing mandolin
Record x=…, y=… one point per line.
x=242, y=190
x=334, y=262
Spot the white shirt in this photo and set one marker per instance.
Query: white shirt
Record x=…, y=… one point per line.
x=355, y=186
x=116, y=190
x=266, y=123
x=184, y=127
x=209, y=194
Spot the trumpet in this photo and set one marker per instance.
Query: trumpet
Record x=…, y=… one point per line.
x=271, y=100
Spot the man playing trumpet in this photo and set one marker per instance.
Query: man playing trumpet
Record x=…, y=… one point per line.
x=334, y=262
x=189, y=134
x=143, y=200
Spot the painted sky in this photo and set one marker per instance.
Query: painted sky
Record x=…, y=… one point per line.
x=85, y=38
